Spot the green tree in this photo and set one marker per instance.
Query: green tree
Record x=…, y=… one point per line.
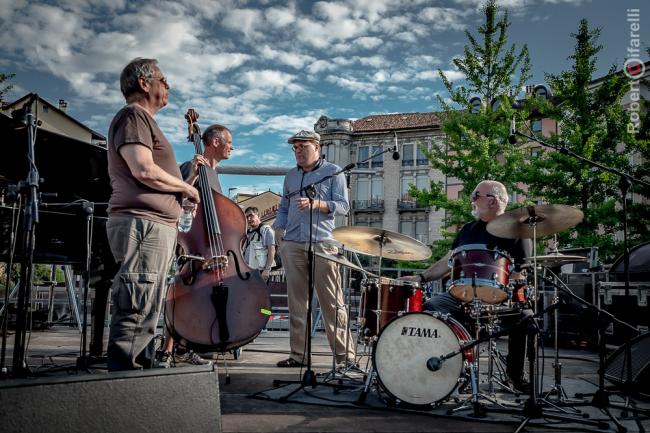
x=4, y=89
x=593, y=124
x=475, y=146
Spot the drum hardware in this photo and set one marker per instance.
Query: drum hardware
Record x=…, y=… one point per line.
x=474, y=401
x=495, y=359
x=531, y=222
x=557, y=388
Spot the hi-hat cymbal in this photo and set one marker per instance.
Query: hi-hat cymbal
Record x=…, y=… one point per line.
x=556, y=259
x=548, y=219
x=341, y=260
x=374, y=242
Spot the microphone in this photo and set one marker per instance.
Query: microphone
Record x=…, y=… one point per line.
x=395, y=153
x=434, y=363
x=512, y=138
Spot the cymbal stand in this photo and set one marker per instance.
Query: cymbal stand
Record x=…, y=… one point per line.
x=342, y=373
x=473, y=401
x=495, y=359
x=557, y=388
x=371, y=373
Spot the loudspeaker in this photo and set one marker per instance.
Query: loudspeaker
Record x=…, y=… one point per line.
x=160, y=400
x=616, y=370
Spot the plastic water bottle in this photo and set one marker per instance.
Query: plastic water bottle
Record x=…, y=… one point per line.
x=185, y=221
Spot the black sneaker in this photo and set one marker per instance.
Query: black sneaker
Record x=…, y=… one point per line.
x=192, y=358
x=164, y=360
x=523, y=386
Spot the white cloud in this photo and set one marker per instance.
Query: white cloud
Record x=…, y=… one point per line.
x=357, y=86
x=295, y=60
x=246, y=21
x=321, y=66
x=286, y=124
x=453, y=75
x=443, y=19
x=276, y=81
x=368, y=42
x=280, y=17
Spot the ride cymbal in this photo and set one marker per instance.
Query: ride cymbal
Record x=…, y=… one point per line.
x=375, y=242
x=556, y=259
x=547, y=219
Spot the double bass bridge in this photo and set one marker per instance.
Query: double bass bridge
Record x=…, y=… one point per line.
x=215, y=263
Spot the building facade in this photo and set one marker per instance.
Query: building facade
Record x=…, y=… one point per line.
x=380, y=182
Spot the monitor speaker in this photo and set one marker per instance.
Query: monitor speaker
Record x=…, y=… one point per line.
x=161, y=400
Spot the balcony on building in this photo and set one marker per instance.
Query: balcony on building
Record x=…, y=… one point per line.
x=375, y=204
x=407, y=203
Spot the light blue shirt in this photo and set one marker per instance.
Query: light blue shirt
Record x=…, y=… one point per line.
x=333, y=191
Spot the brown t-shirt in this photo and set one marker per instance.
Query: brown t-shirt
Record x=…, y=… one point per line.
x=130, y=197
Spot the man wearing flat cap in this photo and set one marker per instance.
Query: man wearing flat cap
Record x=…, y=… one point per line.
x=293, y=231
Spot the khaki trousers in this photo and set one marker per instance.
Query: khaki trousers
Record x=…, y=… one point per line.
x=327, y=285
x=144, y=250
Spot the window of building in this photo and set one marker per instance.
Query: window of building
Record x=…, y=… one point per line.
x=535, y=151
x=329, y=151
x=416, y=229
x=422, y=231
x=423, y=182
x=407, y=155
x=370, y=187
x=536, y=125
x=407, y=180
x=364, y=152
x=362, y=188
x=362, y=155
x=420, y=157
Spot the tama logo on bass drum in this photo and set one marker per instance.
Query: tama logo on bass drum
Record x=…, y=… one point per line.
x=412, y=331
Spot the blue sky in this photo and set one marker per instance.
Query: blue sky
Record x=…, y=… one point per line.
x=269, y=68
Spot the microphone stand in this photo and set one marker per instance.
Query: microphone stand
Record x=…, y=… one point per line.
x=625, y=182
x=29, y=188
x=309, y=377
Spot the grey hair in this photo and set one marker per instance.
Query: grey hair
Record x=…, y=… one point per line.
x=136, y=68
x=500, y=193
x=214, y=131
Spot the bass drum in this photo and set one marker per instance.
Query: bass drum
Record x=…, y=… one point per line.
x=403, y=348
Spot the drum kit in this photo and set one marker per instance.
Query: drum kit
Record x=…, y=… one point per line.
x=419, y=358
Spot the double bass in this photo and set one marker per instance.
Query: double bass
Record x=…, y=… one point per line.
x=215, y=302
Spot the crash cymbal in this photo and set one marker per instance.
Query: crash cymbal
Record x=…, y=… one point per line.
x=367, y=240
x=549, y=218
x=556, y=259
x=341, y=260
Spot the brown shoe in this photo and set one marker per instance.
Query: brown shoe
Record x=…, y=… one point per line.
x=290, y=362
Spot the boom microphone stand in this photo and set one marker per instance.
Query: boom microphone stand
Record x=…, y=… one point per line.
x=625, y=182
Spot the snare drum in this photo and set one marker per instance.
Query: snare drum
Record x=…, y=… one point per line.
x=406, y=344
x=479, y=272
x=382, y=302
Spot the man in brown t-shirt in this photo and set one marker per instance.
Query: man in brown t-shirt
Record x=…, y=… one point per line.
x=143, y=211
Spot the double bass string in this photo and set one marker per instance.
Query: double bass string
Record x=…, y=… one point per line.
x=213, y=232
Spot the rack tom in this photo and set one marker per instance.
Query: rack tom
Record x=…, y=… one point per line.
x=478, y=272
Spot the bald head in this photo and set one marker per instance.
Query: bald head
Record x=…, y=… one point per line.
x=498, y=190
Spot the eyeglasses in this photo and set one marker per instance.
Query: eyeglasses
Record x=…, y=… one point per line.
x=476, y=195
x=301, y=147
x=162, y=79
